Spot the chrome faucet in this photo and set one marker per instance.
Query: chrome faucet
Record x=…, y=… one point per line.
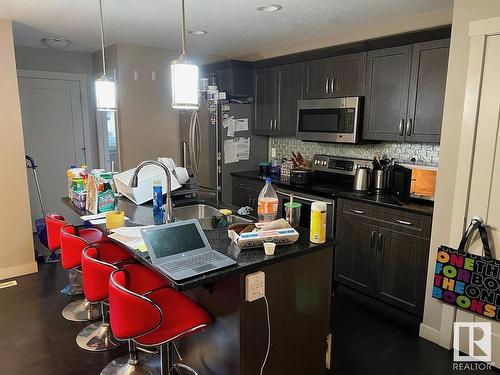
x=134, y=181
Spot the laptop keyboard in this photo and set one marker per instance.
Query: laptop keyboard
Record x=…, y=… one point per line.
x=192, y=261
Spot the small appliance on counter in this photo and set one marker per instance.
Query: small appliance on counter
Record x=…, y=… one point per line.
x=401, y=183
x=363, y=179
x=301, y=176
x=423, y=180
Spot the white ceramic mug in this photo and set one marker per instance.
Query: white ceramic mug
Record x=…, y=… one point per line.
x=182, y=175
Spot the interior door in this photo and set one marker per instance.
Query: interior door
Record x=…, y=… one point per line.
x=484, y=193
x=53, y=135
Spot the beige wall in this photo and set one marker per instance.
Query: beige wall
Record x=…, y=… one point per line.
x=437, y=316
x=397, y=26
x=16, y=252
x=148, y=127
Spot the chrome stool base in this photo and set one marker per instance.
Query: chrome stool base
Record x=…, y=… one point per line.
x=97, y=337
x=148, y=365
x=81, y=311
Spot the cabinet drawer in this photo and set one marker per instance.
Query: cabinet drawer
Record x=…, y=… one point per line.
x=360, y=211
x=248, y=184
x=405, y=222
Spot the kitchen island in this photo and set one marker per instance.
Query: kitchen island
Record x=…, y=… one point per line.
x=298, y=282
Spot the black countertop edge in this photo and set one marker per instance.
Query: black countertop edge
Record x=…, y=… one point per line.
x=249, y=260
x=384, y=200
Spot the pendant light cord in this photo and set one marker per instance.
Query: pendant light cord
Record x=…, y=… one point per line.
x=183, y=26
x=102, y=40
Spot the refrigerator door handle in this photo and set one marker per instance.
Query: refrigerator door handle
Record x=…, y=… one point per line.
x=194, y=140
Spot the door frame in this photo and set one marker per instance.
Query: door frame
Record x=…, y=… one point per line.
x=478, y=32
x=82, y=80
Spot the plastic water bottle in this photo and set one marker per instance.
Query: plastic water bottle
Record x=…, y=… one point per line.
x=157, y=203
x=268, y=203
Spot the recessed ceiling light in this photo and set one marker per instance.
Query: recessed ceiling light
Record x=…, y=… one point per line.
x=56, y=42
x=197, y=32
x=269, y=8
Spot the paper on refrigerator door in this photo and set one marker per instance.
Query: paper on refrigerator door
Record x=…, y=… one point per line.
x=241, y=124
x=226, y=121
x=231, y=129
x=230, y=154
x=243, y=148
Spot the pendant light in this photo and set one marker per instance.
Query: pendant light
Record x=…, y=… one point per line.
x=184, y=75
x=105, y=91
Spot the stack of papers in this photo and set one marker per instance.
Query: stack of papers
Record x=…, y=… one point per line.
x=130, y=237
x=97, y=219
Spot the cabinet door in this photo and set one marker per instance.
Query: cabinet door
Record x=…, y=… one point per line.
x=289, y=83
x=401, y=270
x=427, y=87
x=265, y=97
x=316, y=76
x=387, y=85
x=244, y=197
x=349, y=75
x=355, y=255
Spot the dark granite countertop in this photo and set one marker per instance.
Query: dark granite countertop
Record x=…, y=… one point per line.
x=247, y=260
x=342, y=189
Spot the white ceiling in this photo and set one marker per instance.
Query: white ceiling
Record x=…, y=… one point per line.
x=234, y=27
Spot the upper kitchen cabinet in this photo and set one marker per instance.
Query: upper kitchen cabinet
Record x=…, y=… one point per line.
x=405, y=89
x=427, y=87
x=334, y=77
x=386, y=101
x=277, y=90
x=232, y=76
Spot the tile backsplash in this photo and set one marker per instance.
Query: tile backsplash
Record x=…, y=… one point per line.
x=422, y=152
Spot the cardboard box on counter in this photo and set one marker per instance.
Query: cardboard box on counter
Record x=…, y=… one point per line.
x=245, y=236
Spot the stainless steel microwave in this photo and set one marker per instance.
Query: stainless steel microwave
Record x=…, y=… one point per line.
x=336, y=120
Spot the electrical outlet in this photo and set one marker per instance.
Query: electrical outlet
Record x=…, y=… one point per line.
x=255, y=287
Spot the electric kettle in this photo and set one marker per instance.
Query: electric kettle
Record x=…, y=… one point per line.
x=362, y=179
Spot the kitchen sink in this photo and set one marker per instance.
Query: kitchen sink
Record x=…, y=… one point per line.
x=207, y=216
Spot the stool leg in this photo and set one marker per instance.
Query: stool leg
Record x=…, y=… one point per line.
x=81, y=311
x=97, y=337
x=133, y=364
x=179, y=365
x=165, y=361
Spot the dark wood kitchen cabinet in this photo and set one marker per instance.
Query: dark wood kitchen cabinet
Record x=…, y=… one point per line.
x=383, y=252
x=334, y=77
x=232, y=76
x=246, y=192
x=277, y=90
x=405, y=89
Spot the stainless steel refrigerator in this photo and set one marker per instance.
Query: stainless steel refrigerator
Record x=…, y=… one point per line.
x=206, y=144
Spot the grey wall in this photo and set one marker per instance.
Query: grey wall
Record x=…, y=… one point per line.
x=44, y=59
x=422, y=152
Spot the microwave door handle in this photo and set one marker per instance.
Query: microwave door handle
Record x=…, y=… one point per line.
x=326, y=85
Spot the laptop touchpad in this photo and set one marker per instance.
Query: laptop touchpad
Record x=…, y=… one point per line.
x=204, y=268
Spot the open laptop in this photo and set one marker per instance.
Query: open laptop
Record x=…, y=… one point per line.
x=181, y=250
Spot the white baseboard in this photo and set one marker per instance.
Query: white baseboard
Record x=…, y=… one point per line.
x=431, y=334
x=24, y=269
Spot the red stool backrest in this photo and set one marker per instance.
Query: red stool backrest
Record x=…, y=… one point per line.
x=71, y=247
x=96, y=273
x=53, y=224
x=131, y=314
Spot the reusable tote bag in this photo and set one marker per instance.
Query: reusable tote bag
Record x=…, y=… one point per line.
x=469, y=281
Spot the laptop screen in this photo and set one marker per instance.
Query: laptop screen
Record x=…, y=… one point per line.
x=174, y=240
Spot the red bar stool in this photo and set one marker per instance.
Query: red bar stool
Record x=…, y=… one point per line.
x=98, y=262
x=73, y=241
x=154, y=319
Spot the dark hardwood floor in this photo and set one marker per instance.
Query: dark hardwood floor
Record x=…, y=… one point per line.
x=36, y=340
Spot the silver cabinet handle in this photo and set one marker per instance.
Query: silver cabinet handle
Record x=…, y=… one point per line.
x=359, y=212
x=403, y=222
x=271, y=124
x=275, y=124
x=380, y=242
x=326, y=84
x=372, y=240
x=409, y=127
x=401, y=127
x=332, y=85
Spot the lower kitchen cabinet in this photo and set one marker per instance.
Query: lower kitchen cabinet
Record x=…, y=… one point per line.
x=377, y=257
x=246, y=192
x=354, y=255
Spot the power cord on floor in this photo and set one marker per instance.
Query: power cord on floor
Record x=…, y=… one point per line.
x=268, y=336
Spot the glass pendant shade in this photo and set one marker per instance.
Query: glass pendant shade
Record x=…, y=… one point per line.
x=184, y=85
x=105, y=94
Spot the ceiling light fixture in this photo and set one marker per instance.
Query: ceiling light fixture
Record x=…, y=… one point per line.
x=269, y=8
x=56, y=42
x=105, y=90
x=184, y=75
x=197, y=32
